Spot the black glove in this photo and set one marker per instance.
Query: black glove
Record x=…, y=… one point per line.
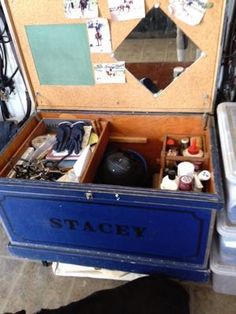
x=76, y=137
x=62, y=136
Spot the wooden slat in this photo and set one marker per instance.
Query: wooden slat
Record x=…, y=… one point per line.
x=127, y=139
x=95, y=160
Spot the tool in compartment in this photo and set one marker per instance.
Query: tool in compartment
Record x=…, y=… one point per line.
x=25, y=157
x=43, y=163
x=37, y=170
x=41, y=150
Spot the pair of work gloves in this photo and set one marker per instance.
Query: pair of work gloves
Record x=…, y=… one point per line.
x=69, y=137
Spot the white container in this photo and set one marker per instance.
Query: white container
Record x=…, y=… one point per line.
x=223, y=275
x=227, y=239
x=185, y=168
x=226, y=114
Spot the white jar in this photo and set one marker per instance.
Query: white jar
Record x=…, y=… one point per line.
x=185, y=168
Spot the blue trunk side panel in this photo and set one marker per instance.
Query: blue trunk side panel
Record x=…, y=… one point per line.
x=157, y=230
x=141, y=266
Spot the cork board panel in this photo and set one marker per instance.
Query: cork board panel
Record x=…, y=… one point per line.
x=192, y=92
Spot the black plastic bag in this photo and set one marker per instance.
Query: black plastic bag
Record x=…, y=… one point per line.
x=7, y=130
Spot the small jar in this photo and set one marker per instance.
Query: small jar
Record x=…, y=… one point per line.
x=197, y=166
x=170, y=144
x=184, y=143
x=185, y=183
x=185, y=168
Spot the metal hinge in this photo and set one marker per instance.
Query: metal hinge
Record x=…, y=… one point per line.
x=89, y=196
x=205, y=120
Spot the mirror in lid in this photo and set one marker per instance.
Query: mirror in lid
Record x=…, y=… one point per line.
x=156, y=51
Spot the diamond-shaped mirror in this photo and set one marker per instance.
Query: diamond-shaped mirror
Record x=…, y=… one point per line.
x=156, y=52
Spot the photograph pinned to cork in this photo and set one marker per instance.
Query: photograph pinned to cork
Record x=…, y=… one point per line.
x=110, y=73
x=190, y=12
x=123, y=10
x=75, y=9
x=99, y=35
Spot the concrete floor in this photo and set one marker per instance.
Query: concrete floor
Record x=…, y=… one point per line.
x=152, y=50
x=29, y=285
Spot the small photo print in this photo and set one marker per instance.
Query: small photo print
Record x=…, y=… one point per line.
x=99, y=35
x=122, y=10
x=109, y=73
x=75, y=9
x=190, y=12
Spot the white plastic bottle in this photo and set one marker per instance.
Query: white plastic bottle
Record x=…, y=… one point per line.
x=170, y=181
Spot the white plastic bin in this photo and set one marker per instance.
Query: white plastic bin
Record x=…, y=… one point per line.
x=227, y=239
x=226, y=114
x=223, y=275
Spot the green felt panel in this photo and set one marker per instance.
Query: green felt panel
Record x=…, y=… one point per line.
x=61, y=54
